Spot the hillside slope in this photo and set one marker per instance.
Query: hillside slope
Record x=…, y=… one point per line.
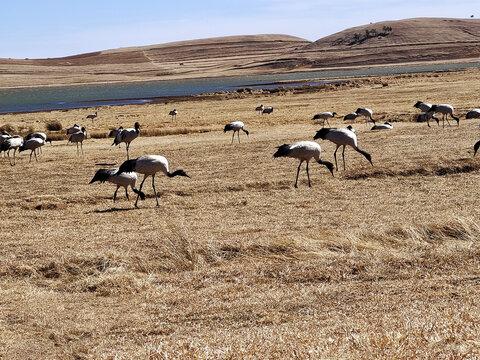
x=388, y=42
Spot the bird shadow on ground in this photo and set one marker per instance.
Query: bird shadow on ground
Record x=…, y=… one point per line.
x=109, y=210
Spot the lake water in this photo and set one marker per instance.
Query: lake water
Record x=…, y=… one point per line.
x=78, y=96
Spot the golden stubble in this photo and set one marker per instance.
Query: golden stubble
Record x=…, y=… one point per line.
x=236, y=263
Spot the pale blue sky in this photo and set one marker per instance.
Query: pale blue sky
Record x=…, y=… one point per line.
x=53, y=28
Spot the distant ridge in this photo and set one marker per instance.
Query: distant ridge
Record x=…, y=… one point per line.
x=386, y=42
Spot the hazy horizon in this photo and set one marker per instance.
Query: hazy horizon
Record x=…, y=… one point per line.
x=55, y=28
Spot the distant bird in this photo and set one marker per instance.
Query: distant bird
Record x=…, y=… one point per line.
x=445, y=110
x=351, y=116
x=124, y=179
x=427, y=116
x=78, y=137
x=32, y=144
x=116, y=134
x=39, y=135
x=341, y=137
x=384, y=126
x=149, y=165
x=236, y=126
x=350, y=127
x=267, y=110
x=475, y=147
x=367, y=113
x=423, y=106
x=72, y=130
x=128, y=135
x=260, y=108
x=14, y=143
x=324, y=116
x=473, y=114
x=173, y=113
x=92, y=116
x=303, y=151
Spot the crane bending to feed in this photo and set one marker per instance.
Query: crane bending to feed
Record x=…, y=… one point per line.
x=303, y=151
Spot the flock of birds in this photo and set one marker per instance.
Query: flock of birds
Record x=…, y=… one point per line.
x=149, y=165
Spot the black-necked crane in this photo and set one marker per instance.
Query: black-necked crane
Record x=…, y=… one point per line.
x=149, y=165
x=32, y=144
x=125, y=179
x=14, y=143
x=341, y=137
x=367, y=113
x=78, y=137
x=324, y=116
x=4, y=137
x=351, y=116
x=385, y=126
x=427, y=116
x=475, y=147
x=72, y=130
x=116, y=134
x=445, y=110
x=423, y=106
x=260, y=108
x=267, y=110
x=127, y=136
x=92, y=116
x=173, y=113
x=303, y=151
x=39, y=135
x=236, y=126
x=473, y=114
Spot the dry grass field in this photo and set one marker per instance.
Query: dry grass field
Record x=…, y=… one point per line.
x=376, y=262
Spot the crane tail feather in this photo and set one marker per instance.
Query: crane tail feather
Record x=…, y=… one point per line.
x=283, y=150
x=475, y=147
x=127, y=166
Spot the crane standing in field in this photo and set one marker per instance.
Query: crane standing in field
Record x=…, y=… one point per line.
x=14, y=143
x=367, y=113
x=324, y=116
x=173, y=114
x=351, y=116
x=341, y=137
x=303, y=151
x=125, y=179
x=445, y=110
x=127, y=136
x=236, y=126
x=78, y=137
x=149, y=165
x=92, y=116
x=32, y=144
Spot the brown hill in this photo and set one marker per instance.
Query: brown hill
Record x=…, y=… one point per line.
x=388, y=42
x=419, y=39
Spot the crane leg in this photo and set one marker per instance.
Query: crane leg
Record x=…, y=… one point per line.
x=343, y=157
x=308, y=176
x=126, y=193
x=115, y=193
x=155, y=191
x=127, y=145
x=238, y=135
x=138, y=195
x=233, y=136
x=298, y=170
x=335, y=156
x=8, y=154
x=446, y=117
